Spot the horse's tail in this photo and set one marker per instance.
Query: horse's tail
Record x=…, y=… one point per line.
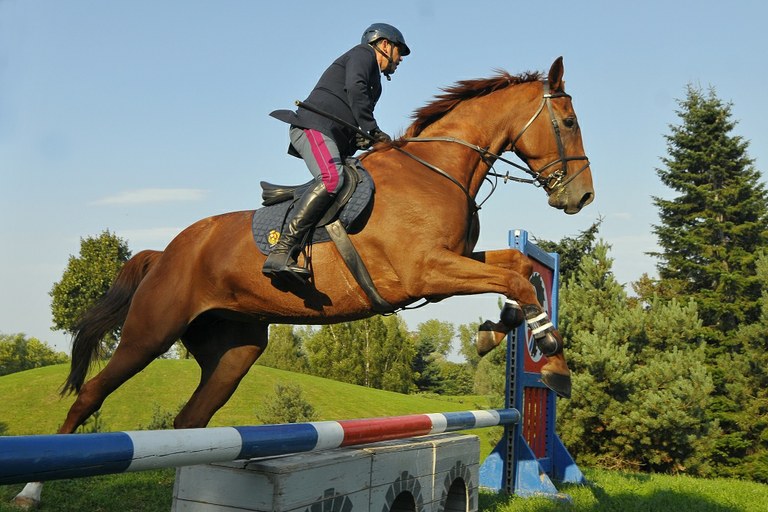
x=106, y=314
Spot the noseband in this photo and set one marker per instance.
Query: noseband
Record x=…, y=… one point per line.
x=550, y=183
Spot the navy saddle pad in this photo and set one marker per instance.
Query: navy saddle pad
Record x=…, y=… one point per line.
x=355, y=196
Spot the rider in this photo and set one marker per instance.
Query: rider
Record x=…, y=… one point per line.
x=348, y=89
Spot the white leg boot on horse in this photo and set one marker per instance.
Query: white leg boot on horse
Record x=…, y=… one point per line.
x=555, y=373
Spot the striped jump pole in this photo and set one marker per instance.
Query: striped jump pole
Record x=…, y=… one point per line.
x=50, y=457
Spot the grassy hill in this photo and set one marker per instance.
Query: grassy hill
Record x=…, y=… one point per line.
x=31, y=403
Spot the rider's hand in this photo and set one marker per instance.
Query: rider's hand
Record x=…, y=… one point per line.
x=380, y=136
x=362, y=142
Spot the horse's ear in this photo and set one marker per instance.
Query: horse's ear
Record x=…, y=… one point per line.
x=556, y=76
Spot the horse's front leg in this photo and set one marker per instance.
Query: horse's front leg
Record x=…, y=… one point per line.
x=555, y=373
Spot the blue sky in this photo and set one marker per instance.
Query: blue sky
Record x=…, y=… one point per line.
x=142, y=116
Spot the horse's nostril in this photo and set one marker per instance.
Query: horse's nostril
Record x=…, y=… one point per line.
x=586, y=199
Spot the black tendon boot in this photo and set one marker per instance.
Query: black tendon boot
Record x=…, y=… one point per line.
x=547, y=338
x=281, y=262
x=554, y=374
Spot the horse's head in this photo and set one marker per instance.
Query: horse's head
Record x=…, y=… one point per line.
x=550, y=144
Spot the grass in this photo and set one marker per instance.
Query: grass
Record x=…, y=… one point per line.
x=608, y=491
x=31, y=405
x=146, y=491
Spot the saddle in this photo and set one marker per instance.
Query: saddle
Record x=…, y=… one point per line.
x=351, y=202
x=348, y=214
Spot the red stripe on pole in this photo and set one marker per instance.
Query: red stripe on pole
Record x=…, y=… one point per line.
x=383, y=429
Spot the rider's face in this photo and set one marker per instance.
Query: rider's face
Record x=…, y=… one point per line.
x=394, y=53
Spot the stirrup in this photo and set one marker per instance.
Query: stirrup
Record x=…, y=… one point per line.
x=287, y=269
x=293, y=274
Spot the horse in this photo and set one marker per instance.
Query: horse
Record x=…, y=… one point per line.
x=207, y=289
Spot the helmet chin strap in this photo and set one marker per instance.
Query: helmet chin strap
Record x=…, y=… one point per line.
x=386, y=71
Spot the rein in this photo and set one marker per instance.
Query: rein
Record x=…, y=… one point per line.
x=549, y=183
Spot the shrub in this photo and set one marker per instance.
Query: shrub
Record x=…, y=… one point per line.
x=287, y=405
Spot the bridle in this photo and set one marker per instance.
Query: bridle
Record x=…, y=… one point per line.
x=550, y=183
x=555, y=179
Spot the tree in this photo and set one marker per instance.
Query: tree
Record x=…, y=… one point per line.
x=19, y=353
x=86, y=279
x=710, y=232
x=467, y=343
x=433, y=343
x=375, y=352
x=641, y=388
x=572, y=249
x=284, y=350
x=456, y=378
x=741, y=404
x=440, y=334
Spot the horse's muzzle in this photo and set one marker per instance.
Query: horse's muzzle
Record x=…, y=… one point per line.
x=570, y=202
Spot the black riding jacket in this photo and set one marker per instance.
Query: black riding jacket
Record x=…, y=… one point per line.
x=348, y=89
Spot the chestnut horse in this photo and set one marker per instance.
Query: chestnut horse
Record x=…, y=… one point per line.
x=207, y=288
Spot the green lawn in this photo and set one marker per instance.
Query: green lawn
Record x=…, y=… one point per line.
x=31, y=402
x=608, y=491
x=31, y=405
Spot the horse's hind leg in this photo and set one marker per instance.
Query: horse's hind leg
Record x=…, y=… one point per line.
x=135, y=351
x=130, y=358
x=225, y=351
x=555, y=373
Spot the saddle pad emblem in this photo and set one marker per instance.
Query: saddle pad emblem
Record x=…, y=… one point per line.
x=273, y=237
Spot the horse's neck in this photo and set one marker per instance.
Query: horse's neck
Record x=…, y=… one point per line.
x=466, y=164
x=488, y=122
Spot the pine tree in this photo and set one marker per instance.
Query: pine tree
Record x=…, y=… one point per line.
x=640, y=386
x=711, y=231
x=741, y=407
x=572, y=249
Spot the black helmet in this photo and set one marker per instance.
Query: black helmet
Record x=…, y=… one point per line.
x=384, y=31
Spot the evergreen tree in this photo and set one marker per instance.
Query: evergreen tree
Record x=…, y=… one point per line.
x=711, y=230
x=286, y=405
x=641, y=389
x=572, y=249
x=741, y=406
x=433, y=342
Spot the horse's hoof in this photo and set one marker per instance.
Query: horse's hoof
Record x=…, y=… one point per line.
x=557, y=382
x=25, y=503
x=488, y=337
x=484, y=342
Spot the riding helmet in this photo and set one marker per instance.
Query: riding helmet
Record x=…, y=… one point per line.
x=385, y=31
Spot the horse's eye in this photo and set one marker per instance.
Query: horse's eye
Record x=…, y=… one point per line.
x=569, y=122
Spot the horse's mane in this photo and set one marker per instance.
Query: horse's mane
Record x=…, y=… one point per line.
x=463, y=90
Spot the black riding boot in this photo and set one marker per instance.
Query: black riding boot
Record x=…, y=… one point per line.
x=281, y=262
